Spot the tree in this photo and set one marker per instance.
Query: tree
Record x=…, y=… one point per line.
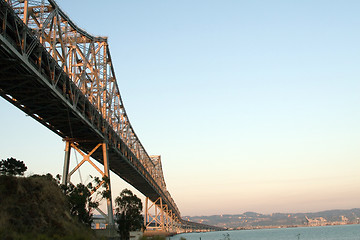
x=80, y=198
x=12, y=167
x=80, y=202
x=128, y=213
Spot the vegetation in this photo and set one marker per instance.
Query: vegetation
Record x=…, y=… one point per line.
x=36, y=208
x=80, y=202
x=128, y=213
x=39, y=207
x=12, y=167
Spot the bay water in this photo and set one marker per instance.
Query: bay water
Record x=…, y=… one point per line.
x=341, y=232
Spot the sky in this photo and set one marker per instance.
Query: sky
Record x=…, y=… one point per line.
x=252, y=105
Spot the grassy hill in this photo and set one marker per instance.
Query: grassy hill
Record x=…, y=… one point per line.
x=35, y=208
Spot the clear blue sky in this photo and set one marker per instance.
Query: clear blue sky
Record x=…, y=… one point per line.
x=253, y=105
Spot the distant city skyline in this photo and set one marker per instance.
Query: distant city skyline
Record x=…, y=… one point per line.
x=252, y=105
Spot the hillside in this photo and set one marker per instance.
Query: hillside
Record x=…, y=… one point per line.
x=35, y=208
x=257, y=220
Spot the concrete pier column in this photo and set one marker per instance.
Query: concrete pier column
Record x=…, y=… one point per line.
x=66, y=163
x=107, y=174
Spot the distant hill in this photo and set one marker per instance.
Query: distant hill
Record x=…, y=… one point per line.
x=257, y=220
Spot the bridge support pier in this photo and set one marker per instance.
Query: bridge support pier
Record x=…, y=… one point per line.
x=158, y=217
x=66, y=163
x=105, y=174
x=154, y=215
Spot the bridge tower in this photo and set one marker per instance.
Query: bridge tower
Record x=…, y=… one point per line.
x=158, y=216
x=66, y=178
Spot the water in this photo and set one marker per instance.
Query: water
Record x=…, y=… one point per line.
x=343, y=232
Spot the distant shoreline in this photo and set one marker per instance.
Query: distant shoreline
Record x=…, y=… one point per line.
x=253, y=220
x=290, y=226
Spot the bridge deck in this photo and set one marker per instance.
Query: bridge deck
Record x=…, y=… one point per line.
x=39, y=87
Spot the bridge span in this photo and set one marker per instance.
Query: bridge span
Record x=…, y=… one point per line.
x=64, y=78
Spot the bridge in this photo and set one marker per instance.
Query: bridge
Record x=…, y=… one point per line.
x=64, y=78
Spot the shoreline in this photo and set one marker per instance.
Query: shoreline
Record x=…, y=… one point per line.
x=289, y=226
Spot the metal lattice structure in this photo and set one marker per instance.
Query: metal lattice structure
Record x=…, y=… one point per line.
x=64, y=78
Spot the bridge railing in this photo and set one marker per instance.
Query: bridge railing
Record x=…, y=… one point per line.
x=87, y=61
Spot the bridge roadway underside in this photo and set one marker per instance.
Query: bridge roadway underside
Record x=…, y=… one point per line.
x=38, y=86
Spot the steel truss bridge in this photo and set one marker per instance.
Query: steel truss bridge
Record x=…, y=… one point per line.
x=63, y=77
